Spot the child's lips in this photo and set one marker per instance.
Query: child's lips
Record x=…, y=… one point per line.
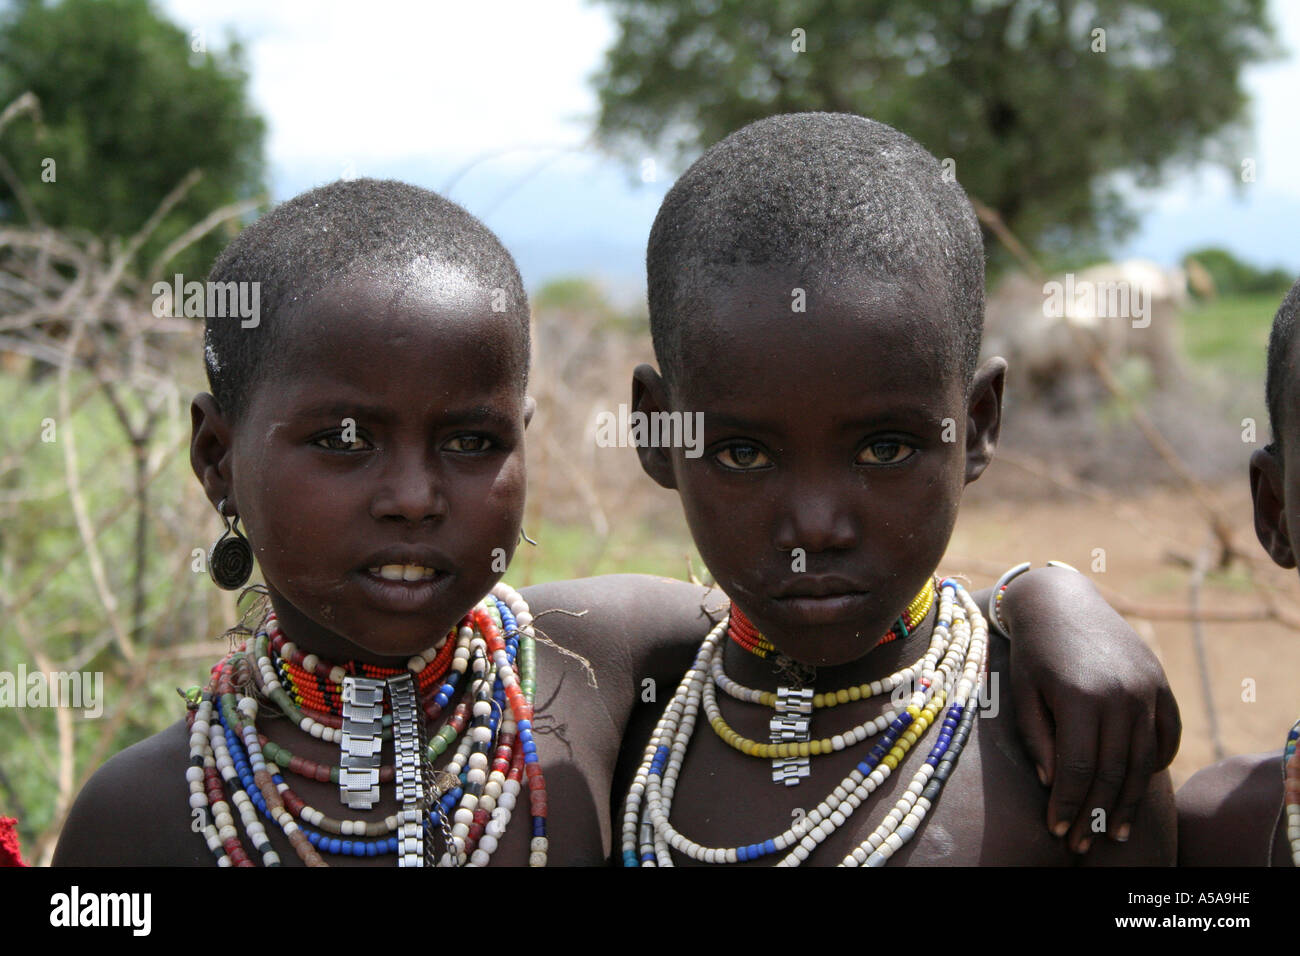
x=389, y=588
x=810, y=609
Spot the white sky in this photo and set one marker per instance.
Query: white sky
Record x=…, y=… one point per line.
x=417, y=91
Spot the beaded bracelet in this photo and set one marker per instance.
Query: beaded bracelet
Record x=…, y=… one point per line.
x=995, y=599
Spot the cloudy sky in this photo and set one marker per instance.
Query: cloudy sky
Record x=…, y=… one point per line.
x=491, y=105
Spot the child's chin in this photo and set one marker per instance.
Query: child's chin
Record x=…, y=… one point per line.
x=840, y=640
x=830, y=611
x=829, y=651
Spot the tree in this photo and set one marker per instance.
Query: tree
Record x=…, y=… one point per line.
x=1038, y=103
x=130, y=103
x=1231, y=276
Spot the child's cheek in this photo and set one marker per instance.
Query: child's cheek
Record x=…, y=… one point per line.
x=504, y=502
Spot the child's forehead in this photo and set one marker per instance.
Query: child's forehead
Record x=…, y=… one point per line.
x=417, y=289
x=820, y=371
x=403, y=321
x=834, y=317
x=391, y=309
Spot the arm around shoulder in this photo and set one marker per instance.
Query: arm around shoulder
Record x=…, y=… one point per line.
x=642, y=624
x=1153, y=835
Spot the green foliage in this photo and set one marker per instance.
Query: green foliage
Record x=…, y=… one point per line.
x=578, y=295
x=1230, y=334
x=50, y=602
x=1233, y=277
x=1036, y=120
x=573, y=294
x=128, y=108
x=566, y=550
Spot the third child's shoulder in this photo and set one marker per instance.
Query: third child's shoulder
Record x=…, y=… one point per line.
x=1227, y=812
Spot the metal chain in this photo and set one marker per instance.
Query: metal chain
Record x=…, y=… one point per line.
x=409, y=757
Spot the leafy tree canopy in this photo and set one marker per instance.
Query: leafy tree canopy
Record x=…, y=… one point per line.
x=129, y=104
x=1036, y=108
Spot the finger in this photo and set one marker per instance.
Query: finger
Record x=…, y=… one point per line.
x=1076, y=763
x=1113, y=745
x=1169, y=729
x=1038, y=733
x=1142, y=757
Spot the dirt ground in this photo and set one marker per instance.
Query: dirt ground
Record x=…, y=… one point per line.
x=1148, y=538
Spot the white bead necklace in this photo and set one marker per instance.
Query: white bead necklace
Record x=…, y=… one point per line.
x=951, y=669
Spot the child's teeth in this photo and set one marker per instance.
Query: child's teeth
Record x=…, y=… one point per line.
x=404, y=572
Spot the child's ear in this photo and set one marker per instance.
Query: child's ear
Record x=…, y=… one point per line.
x=210, y=442
x=984, y=416
x=530, y=406
x=650, y=395
x=1268, y=489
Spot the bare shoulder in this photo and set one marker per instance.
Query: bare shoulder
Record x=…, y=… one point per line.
x=1228, y=813
x=626, y=622
x=1005, y=799
x=133, y=810
x=1154, y=837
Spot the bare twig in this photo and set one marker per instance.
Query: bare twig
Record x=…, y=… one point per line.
x=201, y=229
x=24, y=103
x=1198, y=641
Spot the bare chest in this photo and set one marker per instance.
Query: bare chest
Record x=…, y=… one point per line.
x=990, y=811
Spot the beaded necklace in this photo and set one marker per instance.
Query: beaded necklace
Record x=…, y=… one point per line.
x=470, y=801
x=950, y=671
x=790, y=728
x=1291, y=790
x=746, y=636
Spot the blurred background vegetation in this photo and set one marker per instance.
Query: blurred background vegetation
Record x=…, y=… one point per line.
x=160, y=158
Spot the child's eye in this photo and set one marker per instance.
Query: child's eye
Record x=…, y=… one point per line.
x=335, y=442
x=885, y=453
x=469, y=443
x=741, y=458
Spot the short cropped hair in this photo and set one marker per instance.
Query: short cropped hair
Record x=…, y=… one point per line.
x=1280, y=341
x=358, y=227
x=816, y=192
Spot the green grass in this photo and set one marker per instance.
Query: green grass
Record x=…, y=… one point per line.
x=571, y=550
x=43, y=565
x=1231, y=334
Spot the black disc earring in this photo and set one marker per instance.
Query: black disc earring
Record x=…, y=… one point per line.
x=230, y=562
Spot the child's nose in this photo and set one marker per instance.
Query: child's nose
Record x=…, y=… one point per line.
x=816, y=522
x=412, y=488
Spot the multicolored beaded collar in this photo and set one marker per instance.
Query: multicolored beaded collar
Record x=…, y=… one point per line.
x=480, y=784
x=1291, y=790
x=950, y=670
x=746, y=636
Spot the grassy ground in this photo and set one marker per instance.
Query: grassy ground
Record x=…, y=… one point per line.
x=1231, y=334
x=568, y=551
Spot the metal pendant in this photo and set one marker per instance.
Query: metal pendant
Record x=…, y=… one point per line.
x=792, y=723
x=361, y=742
x=409, y=773
x=230, y=560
